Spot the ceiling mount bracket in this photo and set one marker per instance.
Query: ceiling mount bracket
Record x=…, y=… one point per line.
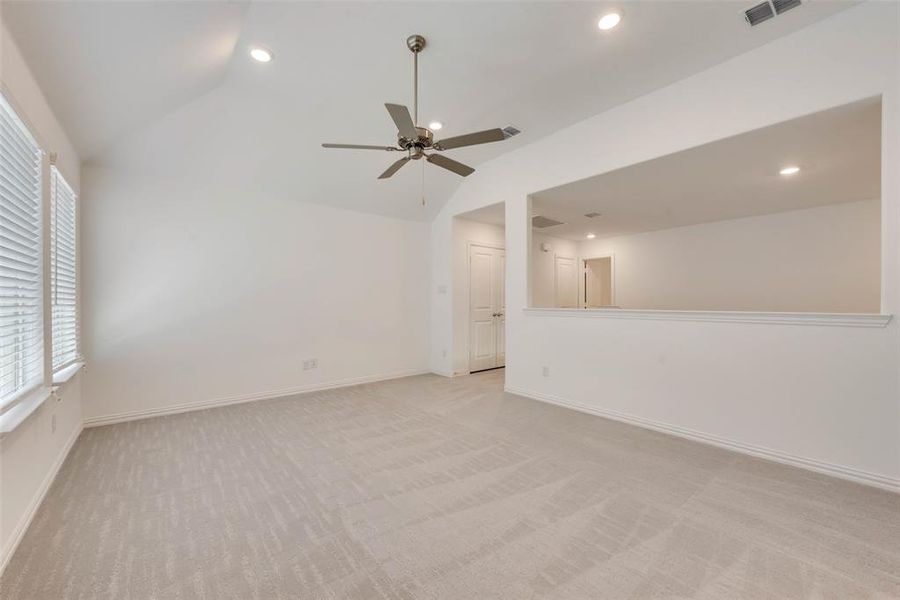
x=416, y=43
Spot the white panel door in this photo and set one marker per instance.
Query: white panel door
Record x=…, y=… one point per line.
x=566, y=282
x=487, y=307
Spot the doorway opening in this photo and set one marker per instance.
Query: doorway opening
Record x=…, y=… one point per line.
x=598, y=282
x=479, y=239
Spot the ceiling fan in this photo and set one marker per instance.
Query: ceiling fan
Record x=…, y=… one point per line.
x=415, y=140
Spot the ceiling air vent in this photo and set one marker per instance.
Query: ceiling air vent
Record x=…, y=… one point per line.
x=510, y=131
x=785, y=5
x=541, y=222
x=593, y=215
x=759, y=13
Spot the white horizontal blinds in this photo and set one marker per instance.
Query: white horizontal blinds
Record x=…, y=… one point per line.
x=21, y=309
x=63, y=282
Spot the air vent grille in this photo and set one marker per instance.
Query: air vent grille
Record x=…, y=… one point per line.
x=759, y=13
x=542, y=222
x=785, y=5
x=510, y=131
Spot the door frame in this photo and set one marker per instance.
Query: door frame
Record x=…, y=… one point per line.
x=469, y=245
x=612, y=277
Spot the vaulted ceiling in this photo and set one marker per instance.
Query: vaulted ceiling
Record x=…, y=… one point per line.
x=168, y=86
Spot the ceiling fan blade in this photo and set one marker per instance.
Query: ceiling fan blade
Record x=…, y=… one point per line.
x=471, y=139
x=450, y=164
x=359, y=147
x=394, y=168
x=404, y=122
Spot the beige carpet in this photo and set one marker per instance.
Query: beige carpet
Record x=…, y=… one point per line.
x=428, y=487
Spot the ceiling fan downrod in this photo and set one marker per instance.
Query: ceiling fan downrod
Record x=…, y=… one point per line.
x=416, y=43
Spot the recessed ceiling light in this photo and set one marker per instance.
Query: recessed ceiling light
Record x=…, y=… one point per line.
x=609, y=20
x=260, y=54
x=435, y=125
x=590, y=236
x=789, y=170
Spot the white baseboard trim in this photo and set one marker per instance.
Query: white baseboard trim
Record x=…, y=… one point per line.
x=268, y=395
x=36, y=501
x=443, y=373
x=839, y=471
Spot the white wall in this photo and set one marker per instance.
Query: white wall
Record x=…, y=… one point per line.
x=30, y=455
x=826, y=395
x=823, y=259
x=195, y=294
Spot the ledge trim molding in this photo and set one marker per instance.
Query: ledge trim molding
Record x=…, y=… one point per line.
x=269, y=395
x=821, y=319
x=36, y=501
x=839, y=471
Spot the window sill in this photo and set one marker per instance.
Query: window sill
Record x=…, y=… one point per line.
x=27, y=406
x=67, y=373
x=23, y=409
x=782, y=318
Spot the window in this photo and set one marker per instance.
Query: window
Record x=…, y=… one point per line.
x=21, y=297
x=63, y=273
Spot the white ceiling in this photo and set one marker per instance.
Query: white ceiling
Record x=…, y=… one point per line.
x=109, y=67
x=492, y=214
x=169, y=86
x=838, y=151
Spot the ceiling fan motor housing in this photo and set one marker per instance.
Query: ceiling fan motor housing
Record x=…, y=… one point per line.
x=425, y=140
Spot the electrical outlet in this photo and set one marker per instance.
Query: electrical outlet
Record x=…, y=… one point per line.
x=310, y=363
x=545, y=371
x=444, y=353
x=52, y=423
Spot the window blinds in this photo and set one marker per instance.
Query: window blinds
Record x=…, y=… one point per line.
x=63, y=282
x=21, y=309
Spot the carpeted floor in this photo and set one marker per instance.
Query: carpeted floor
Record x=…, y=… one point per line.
x=428, y=487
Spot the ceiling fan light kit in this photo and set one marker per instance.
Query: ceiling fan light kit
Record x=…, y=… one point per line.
x=415, y=140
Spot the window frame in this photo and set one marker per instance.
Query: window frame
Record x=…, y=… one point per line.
x=57, y=178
